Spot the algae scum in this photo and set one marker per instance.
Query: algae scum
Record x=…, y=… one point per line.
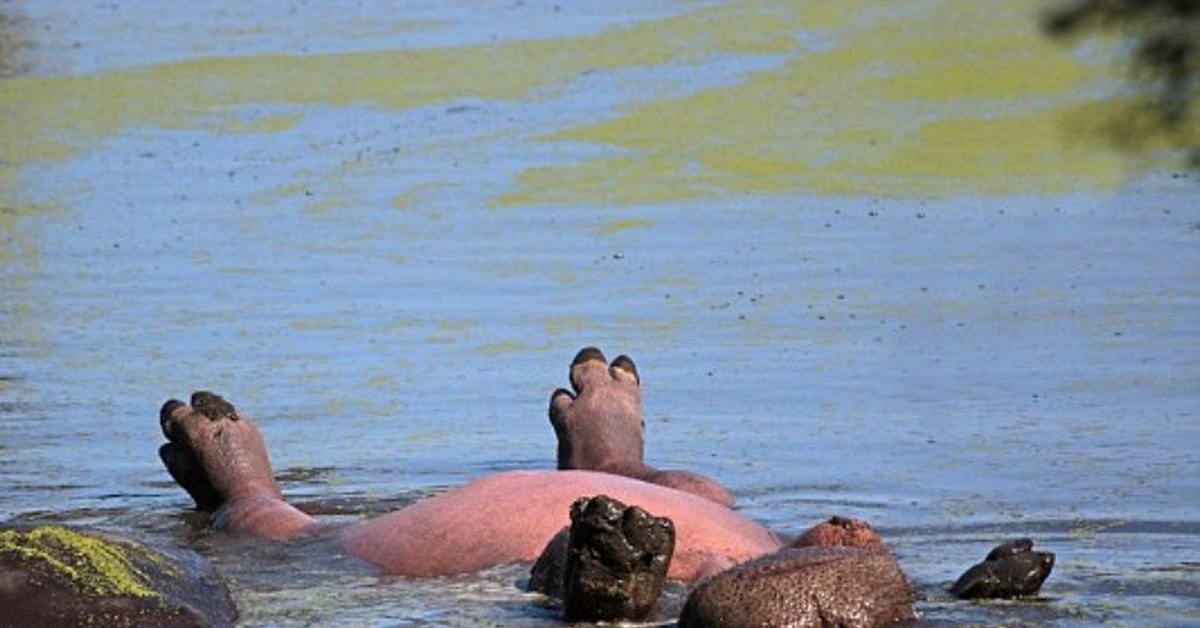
x=59, y=576
x=869, y=257
x=98, y=568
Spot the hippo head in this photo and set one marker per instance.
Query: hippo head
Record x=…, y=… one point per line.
x=599, y=425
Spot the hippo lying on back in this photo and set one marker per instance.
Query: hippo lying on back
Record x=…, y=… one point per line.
x=839, y=572
x=220, y=458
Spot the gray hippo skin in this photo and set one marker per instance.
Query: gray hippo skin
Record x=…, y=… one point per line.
x=1011, y=569
x=838, y=574
x=600, y=426
x=56, y=576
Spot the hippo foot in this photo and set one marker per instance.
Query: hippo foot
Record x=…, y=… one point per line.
x=839, y=573
x=213, y=452
x=55, y=576
x=600, y=426
x=1011, y=569
x=610, y=565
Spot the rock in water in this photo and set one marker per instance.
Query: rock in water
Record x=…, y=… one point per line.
x=56, y=576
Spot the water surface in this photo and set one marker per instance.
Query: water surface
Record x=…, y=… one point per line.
x=857, y=278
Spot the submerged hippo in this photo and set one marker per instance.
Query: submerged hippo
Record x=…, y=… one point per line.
x=55, y=576
x=839, y=573
x=220, y=459
x=600, y=426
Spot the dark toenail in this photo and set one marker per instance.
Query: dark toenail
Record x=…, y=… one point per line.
x=168, y=408
x=213, y=406
x=587, y=354
x=625, y=363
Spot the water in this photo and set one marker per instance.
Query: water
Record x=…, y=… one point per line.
x=392, y=277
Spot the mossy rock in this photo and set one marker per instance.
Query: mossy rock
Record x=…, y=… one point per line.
x=56, y=576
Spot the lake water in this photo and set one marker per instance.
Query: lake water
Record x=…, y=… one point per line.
x=865, y=268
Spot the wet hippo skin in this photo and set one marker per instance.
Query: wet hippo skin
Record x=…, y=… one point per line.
x=616, y=560
x=1011, y=569
x=837, y=574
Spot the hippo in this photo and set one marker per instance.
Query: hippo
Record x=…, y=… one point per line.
x=59, y=576
x=839, y=572
x=219, y=457
x=600, y=426
x=1011, y=569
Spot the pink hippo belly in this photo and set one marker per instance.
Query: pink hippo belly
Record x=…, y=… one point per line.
x=509, y=517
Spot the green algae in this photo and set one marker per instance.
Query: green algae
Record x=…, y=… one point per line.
x=925, y=98
x=625, y=224
x=898, y=99
x=97, y=566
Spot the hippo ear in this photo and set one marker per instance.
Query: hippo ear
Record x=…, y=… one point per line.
x=624, y=370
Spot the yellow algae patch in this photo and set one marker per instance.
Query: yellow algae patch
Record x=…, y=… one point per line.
x=625, y=224
x=54, y=117
x=502, y=347
x=97, y=566
x=565, y=325
x=929, y=98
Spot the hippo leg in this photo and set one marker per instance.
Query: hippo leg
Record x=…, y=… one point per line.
x=1011, y=569
x=610, y=565
x=600, y=426
x=219, y=457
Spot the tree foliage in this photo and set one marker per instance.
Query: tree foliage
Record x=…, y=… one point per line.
x=1162, y=41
